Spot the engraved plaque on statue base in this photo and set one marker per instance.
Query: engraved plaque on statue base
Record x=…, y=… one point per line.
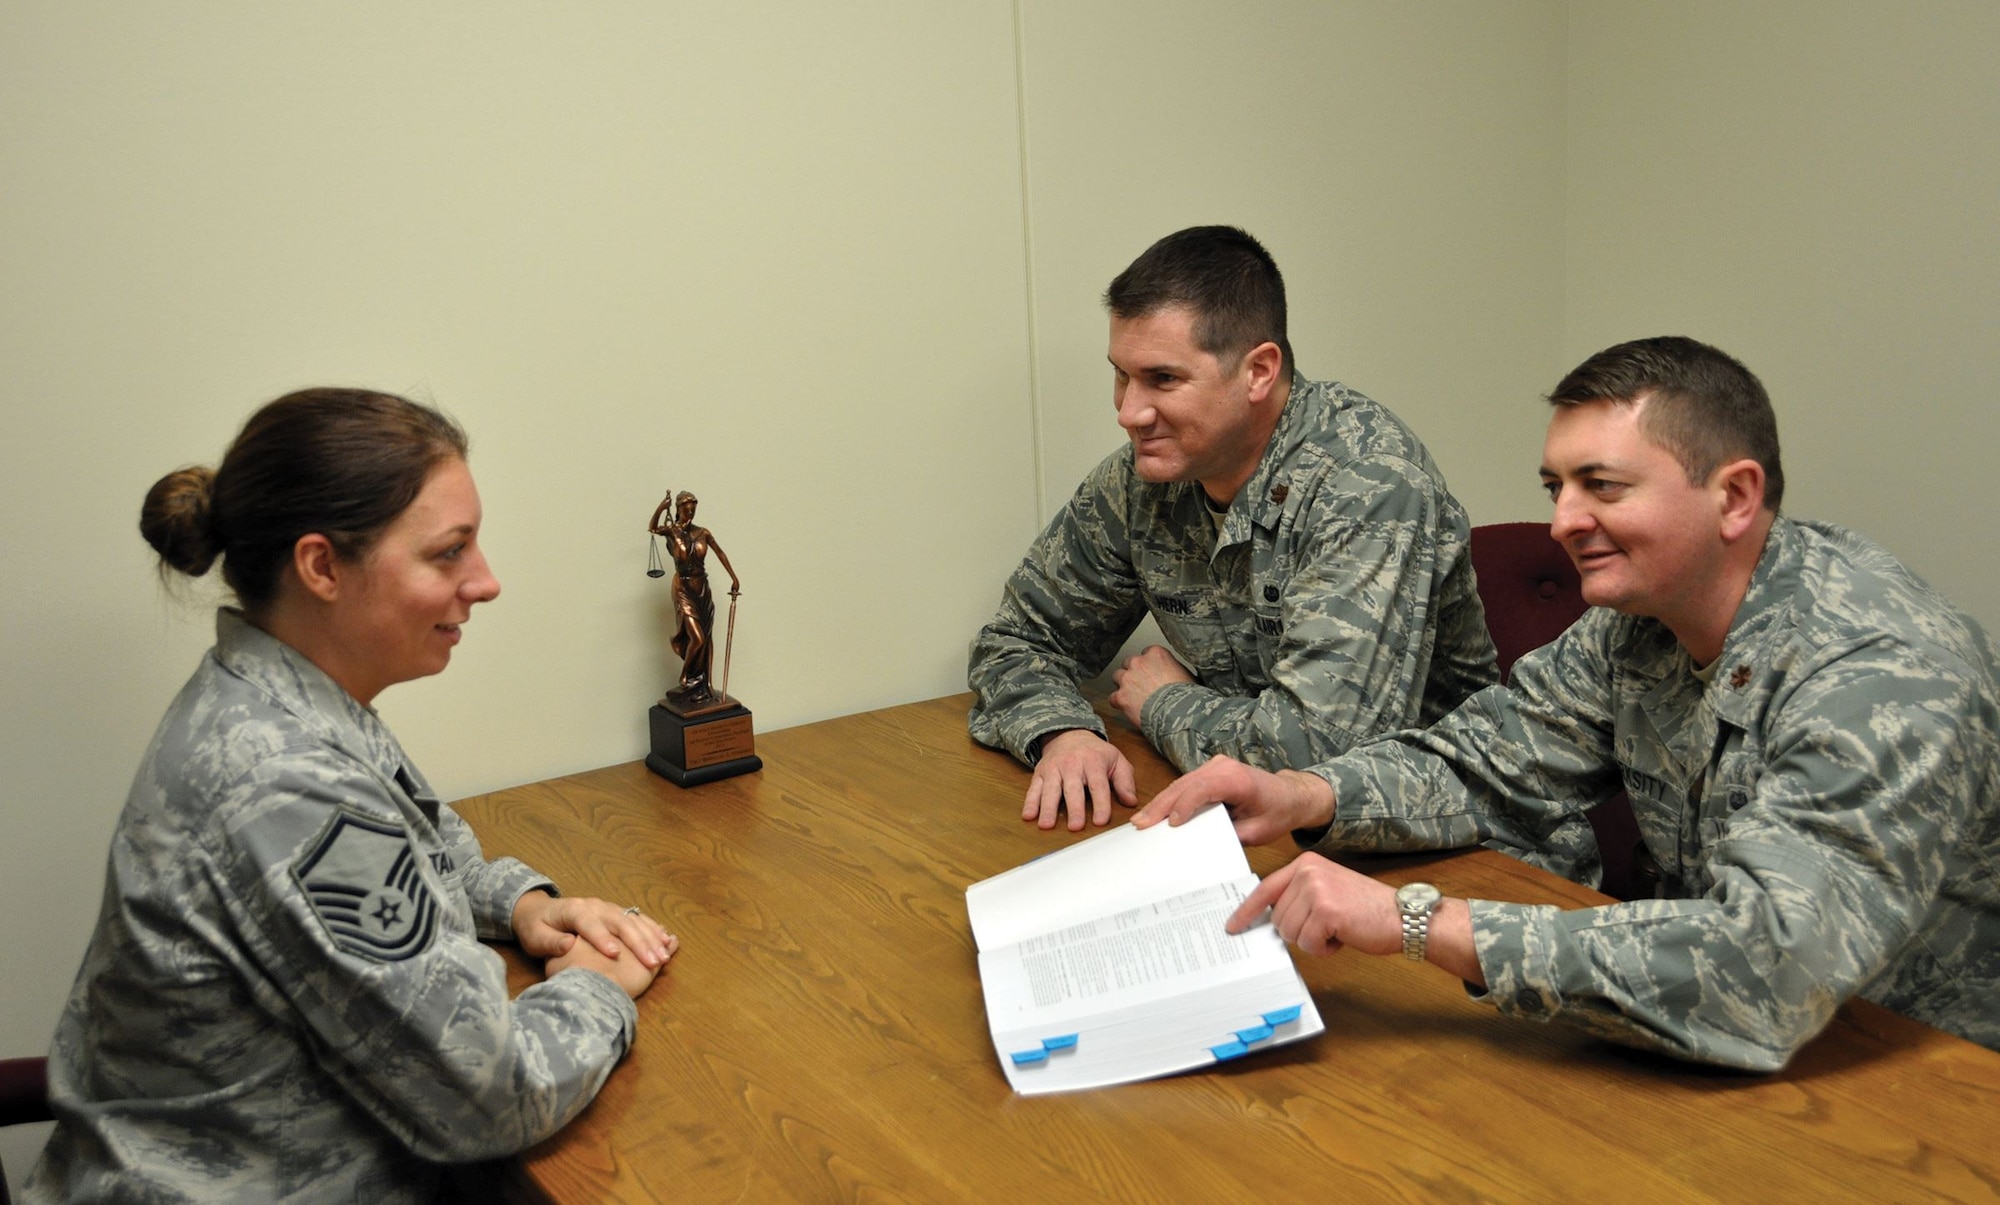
x=704, y=742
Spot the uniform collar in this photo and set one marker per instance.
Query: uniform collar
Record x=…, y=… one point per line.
x=1742, y=671
x=290, y=679
x=1262, y=498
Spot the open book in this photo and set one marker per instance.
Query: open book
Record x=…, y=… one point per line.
x=1106, y=962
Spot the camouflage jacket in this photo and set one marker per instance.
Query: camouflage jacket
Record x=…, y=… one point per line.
x=1825, y=811
x=1336, y=603
x=286, y=997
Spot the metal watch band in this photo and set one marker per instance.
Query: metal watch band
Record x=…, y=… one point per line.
x=1416, y=934
x=1417, y=902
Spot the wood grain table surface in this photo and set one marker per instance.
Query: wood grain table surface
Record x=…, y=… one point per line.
x=821, y=1035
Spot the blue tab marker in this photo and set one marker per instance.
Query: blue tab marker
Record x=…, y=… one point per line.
x=1281, y=1016
x=1023, y=1058
x=1228, y=1050
x=1065, y=1042
x=1254, y=1034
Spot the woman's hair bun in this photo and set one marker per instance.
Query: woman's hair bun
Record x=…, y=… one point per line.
x=178, y=520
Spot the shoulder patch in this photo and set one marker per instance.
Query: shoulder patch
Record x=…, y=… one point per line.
x=363, y=880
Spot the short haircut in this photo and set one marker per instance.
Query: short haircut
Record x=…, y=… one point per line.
x=1224, y=277
x=1702, y=405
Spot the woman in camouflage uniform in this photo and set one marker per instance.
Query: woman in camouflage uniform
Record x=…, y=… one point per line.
x=286, y=996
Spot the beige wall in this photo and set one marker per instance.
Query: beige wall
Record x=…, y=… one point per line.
x=1402, y=162
x=1813, y=185
x=768, y=252
x=836, y=268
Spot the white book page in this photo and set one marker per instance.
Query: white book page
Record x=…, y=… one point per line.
x=1128, y=959
x=1108, y=873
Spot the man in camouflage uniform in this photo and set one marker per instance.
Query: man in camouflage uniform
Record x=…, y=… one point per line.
x=287, y=997
x=1292, y=538
x=1809, y=734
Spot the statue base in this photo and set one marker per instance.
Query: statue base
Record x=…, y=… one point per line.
x=694, y=743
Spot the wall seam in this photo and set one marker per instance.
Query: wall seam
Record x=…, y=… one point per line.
x=1035, y=452
x=1565, y=252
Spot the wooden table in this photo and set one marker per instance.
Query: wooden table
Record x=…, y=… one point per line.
x=821, y=1035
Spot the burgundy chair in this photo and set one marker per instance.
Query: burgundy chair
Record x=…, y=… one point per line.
x=24, y=1097
x=1532, y=594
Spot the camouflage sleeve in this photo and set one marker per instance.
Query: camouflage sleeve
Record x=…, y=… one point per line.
x=1513, y=768
x=1063, y=615
x=1821, y=873
x=1357, y=628
x=493, y=887
x=358, y=936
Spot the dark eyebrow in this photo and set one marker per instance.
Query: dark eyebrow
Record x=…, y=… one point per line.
x=1172, y=368
x=1583, y=470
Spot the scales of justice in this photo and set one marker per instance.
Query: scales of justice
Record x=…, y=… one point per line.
x=700, y=734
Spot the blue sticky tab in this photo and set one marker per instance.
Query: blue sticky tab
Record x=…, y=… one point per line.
x=1228, y=1050
x=1065, y=1042
x=1023, y=1057
x=1282, y=1015
x=1254, y=1034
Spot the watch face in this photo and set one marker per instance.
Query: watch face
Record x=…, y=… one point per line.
x=1417, y=897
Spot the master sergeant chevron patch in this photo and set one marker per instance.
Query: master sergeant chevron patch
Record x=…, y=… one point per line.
x=365, y=884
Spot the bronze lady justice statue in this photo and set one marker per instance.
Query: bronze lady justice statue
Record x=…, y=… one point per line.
x=694, y=643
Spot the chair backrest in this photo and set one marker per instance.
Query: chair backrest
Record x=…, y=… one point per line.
x=24, y=1097
x=1532, y=594
x=1528, y=586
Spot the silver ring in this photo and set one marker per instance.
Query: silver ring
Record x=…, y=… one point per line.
x=632, y=911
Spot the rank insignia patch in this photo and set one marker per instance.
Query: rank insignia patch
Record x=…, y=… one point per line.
x=362, y=879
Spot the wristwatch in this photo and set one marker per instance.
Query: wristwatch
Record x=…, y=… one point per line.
x=1416, y=901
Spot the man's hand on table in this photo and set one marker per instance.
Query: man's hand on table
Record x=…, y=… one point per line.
x=1265, y=807
x=1143, y=673
x=1081, y=772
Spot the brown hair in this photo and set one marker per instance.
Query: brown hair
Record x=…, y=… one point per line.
x=340, y=462
x=1702, y=405
x=1221, y=274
